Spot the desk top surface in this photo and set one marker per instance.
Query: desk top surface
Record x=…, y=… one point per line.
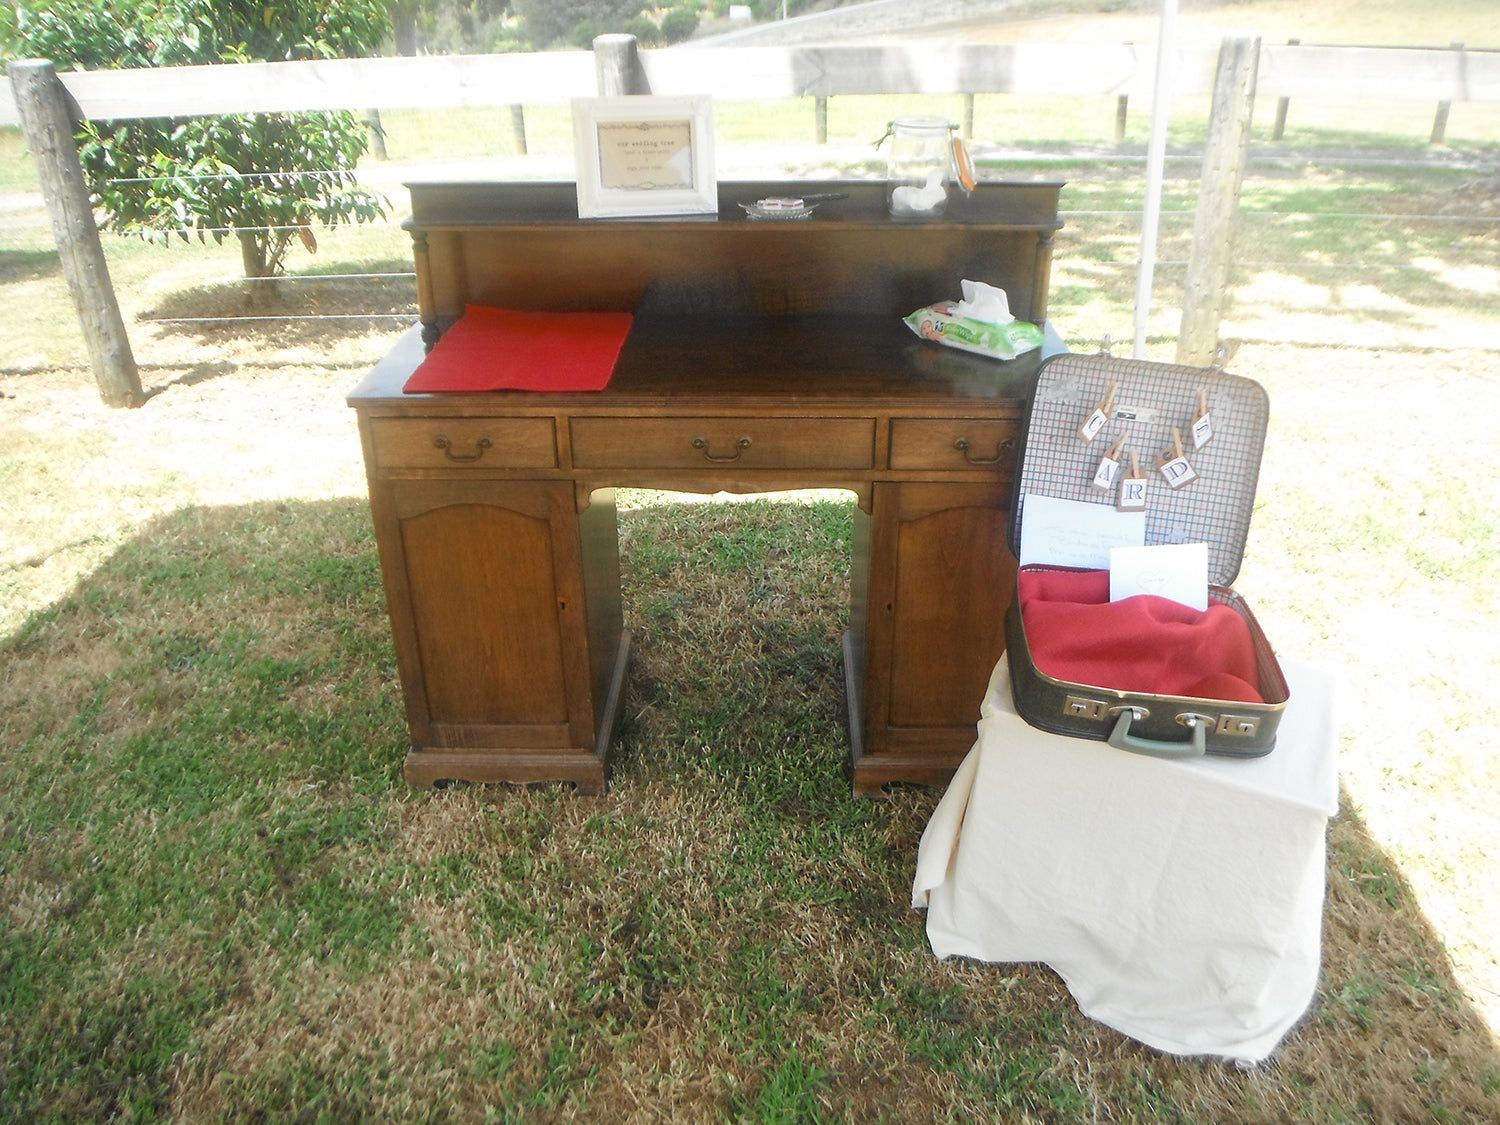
x=828, y=363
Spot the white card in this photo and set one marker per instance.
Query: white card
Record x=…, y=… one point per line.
x=1171, y=570
x=1072, y=533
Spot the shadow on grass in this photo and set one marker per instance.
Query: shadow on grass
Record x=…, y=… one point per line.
x=304, y=309
x=28, y=265
x=222, y=903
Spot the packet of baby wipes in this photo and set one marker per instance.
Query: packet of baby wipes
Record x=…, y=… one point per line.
x=980, y=323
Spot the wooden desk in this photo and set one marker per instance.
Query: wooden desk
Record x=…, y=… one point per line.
x=764, y=356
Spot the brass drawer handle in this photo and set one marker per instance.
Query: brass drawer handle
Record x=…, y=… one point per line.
x=1004, y=448
x=447, y=447
x=739, y=447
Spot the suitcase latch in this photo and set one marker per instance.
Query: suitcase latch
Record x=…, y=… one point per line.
x=1239, y=726
x=1077, y=707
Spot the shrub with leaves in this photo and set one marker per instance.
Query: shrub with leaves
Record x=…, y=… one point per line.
x=264, y=178
x=552, y=21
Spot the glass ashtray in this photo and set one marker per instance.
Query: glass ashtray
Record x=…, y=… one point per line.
x=778, y=208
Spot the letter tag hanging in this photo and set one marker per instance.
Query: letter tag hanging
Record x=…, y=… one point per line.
x=1203, y=427
x=1132, y=494
x=1174, y=466
x=1109, y=467
x=1099, y=416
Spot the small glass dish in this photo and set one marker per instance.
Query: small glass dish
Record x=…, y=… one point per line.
x=779, y=208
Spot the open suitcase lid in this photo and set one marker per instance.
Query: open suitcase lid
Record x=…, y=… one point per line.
x=1150, y=400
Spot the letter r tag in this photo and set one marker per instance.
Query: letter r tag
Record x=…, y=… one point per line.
x=1132, y=495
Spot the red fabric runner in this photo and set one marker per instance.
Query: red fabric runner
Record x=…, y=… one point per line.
x=1143, y=644
x=500, y=349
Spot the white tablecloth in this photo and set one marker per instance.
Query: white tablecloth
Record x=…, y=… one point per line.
x=1181, y=902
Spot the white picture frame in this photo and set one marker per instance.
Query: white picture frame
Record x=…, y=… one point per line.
x=644, y=155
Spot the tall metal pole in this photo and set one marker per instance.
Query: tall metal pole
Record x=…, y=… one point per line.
x=1156, y=156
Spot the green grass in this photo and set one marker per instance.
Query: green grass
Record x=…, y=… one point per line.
x=224, y=904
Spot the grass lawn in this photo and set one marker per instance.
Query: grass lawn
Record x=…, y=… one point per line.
x=220, y=902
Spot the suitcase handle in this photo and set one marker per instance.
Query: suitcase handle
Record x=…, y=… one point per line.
x=1121, y=739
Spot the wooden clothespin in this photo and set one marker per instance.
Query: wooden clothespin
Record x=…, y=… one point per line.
x=1132, y=494
x=1174, y=464
x=1108, y=471
x=1203, y=427
x=1098, y=418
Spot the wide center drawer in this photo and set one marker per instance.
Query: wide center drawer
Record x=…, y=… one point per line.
x=745, y=443
x=953, y=443
x=450, y=443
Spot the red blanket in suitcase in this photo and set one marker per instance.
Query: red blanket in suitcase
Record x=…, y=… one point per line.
x=1141, y=644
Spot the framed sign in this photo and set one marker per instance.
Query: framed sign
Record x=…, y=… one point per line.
x=641, y=155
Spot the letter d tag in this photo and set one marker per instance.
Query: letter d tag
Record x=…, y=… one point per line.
x=1178, y=472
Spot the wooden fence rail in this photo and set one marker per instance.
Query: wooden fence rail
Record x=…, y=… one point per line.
x=1438, y=75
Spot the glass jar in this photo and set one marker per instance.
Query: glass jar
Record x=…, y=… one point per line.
x=918, y=166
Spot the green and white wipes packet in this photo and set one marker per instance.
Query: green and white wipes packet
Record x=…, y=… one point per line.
x=981, y=323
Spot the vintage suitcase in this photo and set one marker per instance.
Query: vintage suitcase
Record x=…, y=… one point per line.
x=1154, y=411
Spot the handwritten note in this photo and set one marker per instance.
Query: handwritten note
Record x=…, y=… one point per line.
x=1170, y=570
x=1072, y=533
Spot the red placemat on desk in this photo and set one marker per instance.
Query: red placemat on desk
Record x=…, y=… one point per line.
x=501, y=349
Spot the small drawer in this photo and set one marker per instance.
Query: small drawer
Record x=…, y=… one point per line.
x=741, y=443
x=953, y=443
x=464, y=443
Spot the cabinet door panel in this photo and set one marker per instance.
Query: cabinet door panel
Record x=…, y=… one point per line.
x=488, y=634
x=940, y=579
x=953, y=582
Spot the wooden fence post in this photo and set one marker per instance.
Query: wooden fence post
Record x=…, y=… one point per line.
x=518, y=127
x=371, y=120
x=1440, y=118
x=1224, y=159
x=47, y=121
x=820, y=119
x=1122, y=116
x=617, y=65
x=1283, y=103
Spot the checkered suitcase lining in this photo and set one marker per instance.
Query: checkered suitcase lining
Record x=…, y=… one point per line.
x=1152, y=398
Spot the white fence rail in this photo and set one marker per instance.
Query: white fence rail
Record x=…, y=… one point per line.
x=1434, y=75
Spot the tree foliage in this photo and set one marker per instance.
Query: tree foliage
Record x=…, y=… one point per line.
x=265, y=178
x=548, y=22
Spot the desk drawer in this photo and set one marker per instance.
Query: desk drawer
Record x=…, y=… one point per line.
x=953, y=443
x=744, y=443
x=452, y=443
